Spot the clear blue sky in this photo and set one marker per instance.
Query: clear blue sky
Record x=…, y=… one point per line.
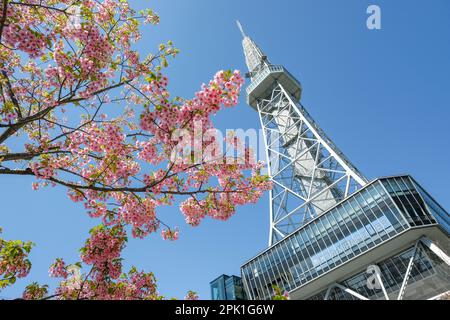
x=382, y=96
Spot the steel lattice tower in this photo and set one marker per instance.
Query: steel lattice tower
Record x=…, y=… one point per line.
x=333, y=234
x=309, y=173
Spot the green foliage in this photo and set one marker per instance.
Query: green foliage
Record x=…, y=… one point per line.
x=279, y=294
x=14, y=262
x=35, y=291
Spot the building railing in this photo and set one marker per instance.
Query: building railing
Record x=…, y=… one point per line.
x=256, y=81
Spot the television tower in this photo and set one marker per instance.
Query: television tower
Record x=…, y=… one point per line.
x=310, y=174
x=333, y=234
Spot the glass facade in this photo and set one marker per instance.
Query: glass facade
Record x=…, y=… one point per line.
x=227, y=288
x=409, y=201
x=370, y=216
x=426, y=268
x=441, y=216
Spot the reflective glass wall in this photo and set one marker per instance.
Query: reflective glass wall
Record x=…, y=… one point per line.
x=409, y=201
x=369, y=217
x=227, y=288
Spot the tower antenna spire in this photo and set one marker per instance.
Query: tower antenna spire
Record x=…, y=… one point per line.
x=240, y=28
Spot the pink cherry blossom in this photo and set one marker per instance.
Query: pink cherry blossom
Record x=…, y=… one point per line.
x=58, y=269
x=59, y=82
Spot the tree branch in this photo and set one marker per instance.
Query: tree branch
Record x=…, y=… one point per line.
x=41, y=6
x=29, y=155
x=3, y=18
x=11, y=94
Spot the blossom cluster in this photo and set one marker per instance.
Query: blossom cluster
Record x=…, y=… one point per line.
x=14, y=262
x=105, y=281
x=191, y=295
x=169, y=234
x=24, y=39
x=103, y=249
x=34, y=291
x=58, y=269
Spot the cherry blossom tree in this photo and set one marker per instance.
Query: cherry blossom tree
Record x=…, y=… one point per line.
x=82, y=108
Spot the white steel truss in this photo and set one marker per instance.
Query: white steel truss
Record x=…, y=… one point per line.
x=419, y=247
x=310, y=176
